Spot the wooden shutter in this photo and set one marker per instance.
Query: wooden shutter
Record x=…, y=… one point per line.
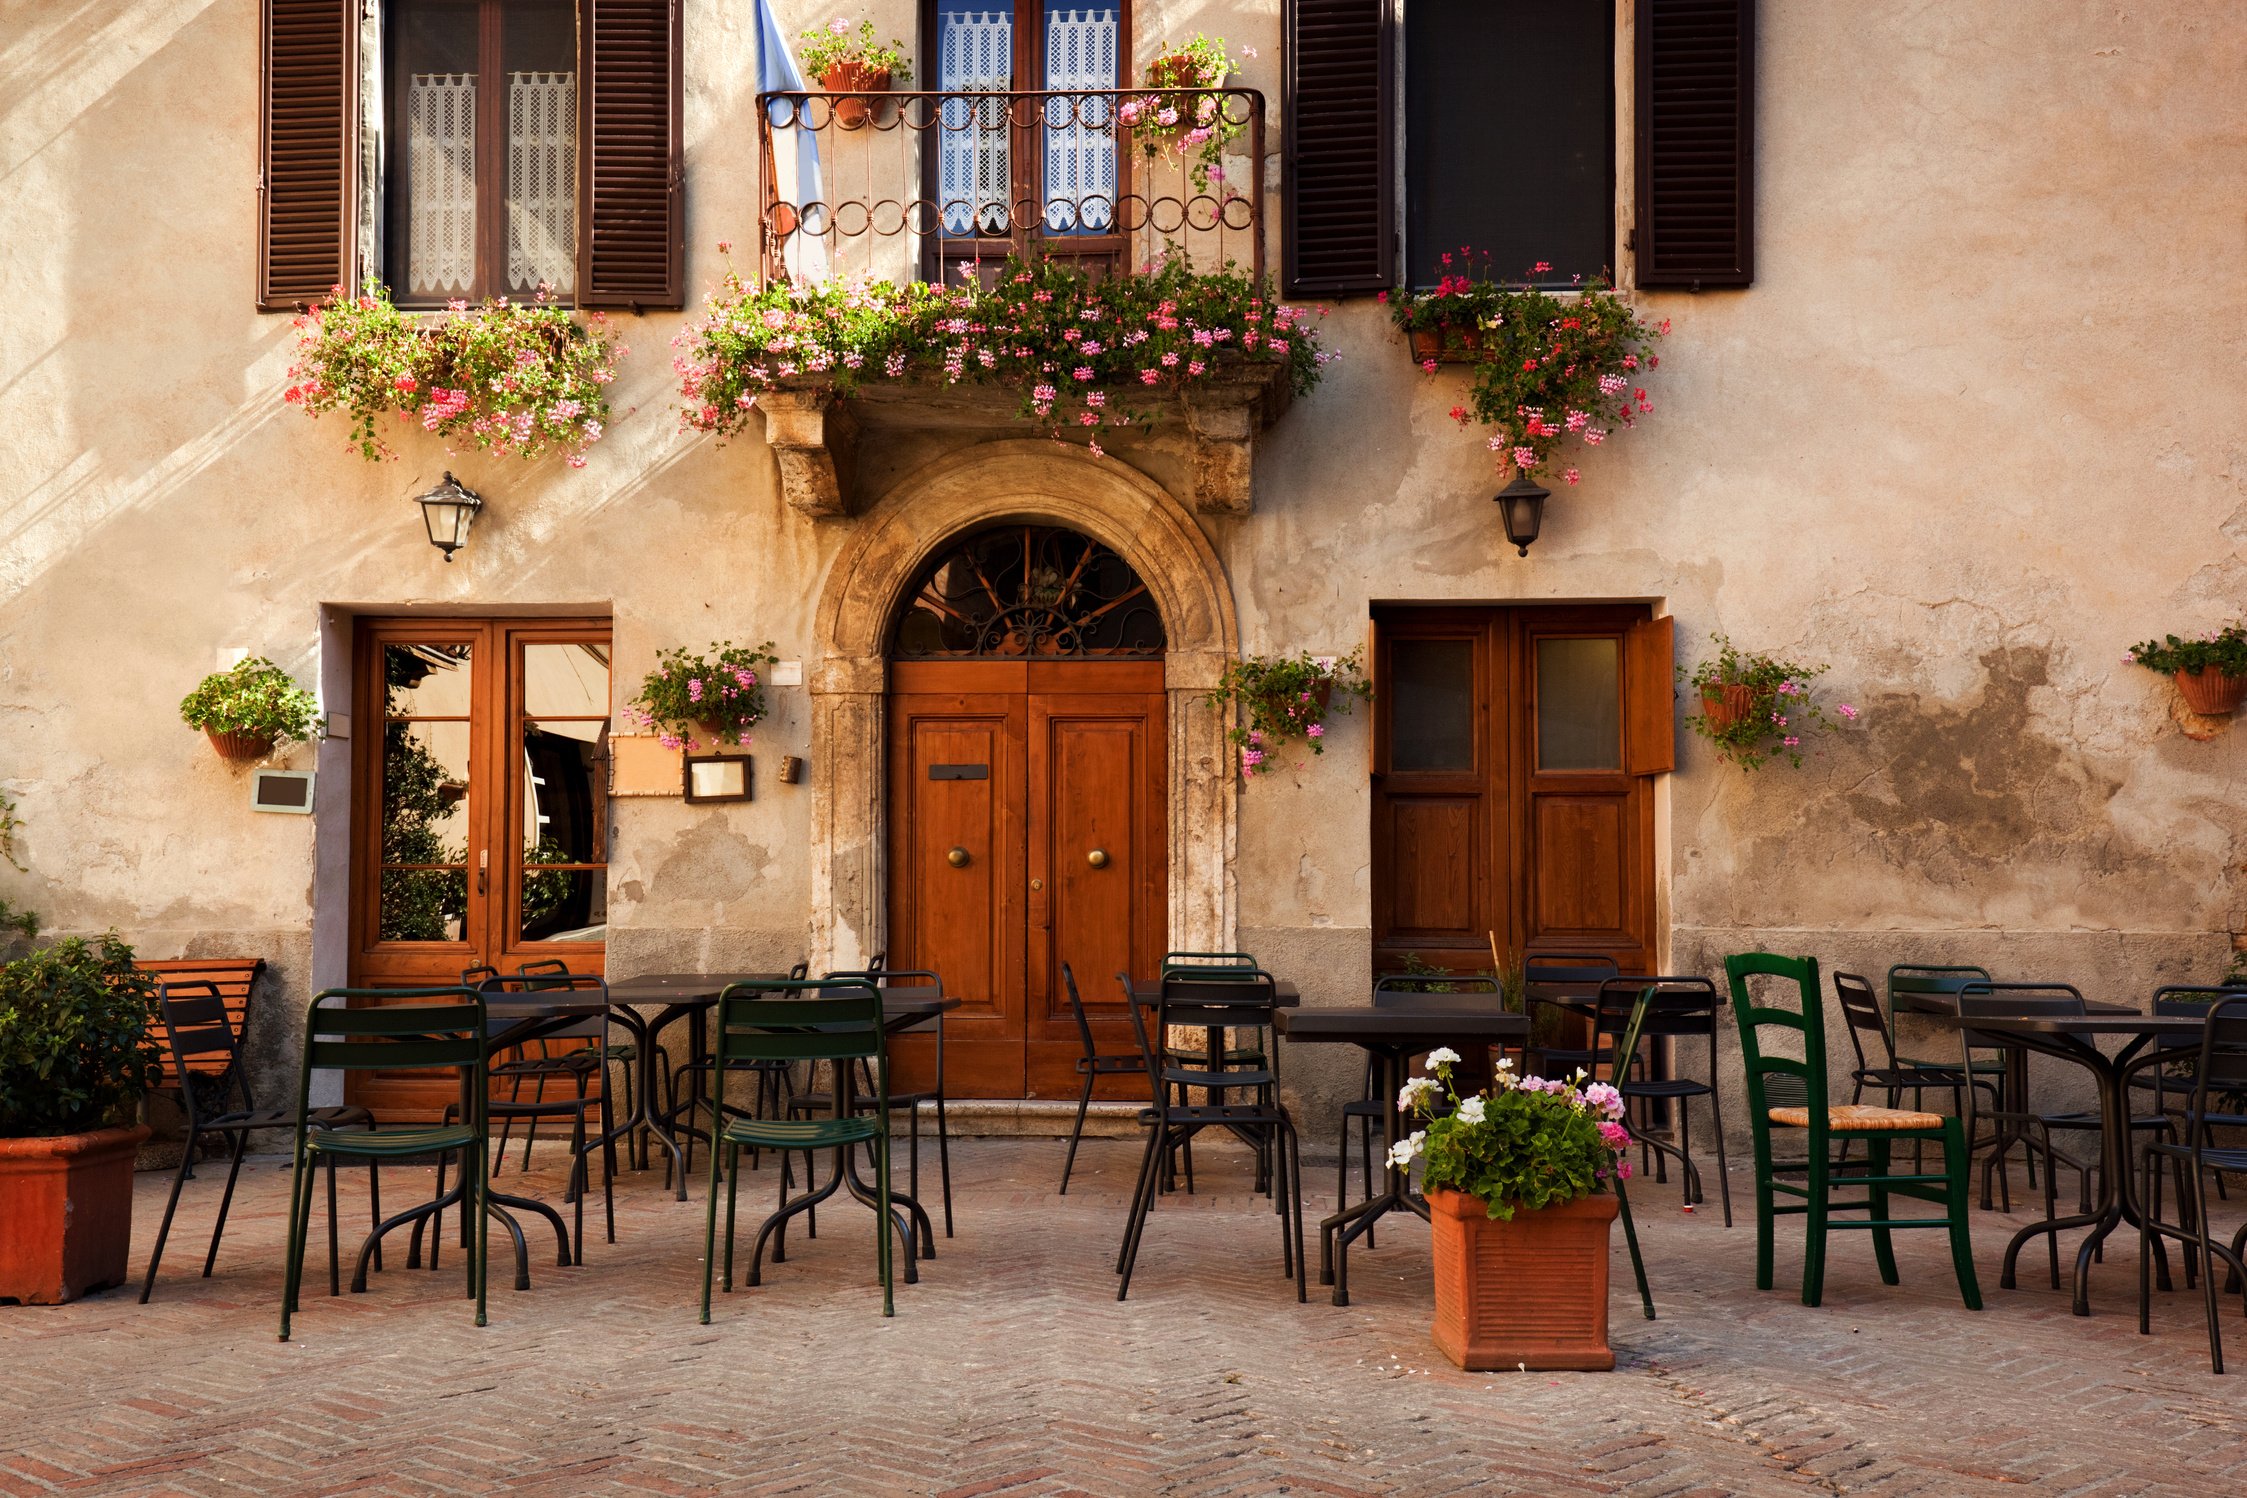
x=307, y=110
x=631, y=249
x=1650, y=696
x=1339, y=176
x=1696, y=143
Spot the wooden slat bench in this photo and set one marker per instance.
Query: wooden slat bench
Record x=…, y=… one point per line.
x=233, y=977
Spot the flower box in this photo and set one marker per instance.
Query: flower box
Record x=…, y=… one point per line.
x=1530, y=1292
x=1446, y=343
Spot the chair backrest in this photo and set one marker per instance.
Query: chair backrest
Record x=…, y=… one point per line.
x=1678, y=1004
x=798, y=971
x=527, y=988
x=1241, y=998
x=202, y=1047
x=398, y=1029
x=235, y=978
x=1860, y=1005
x=1774, y=1080
x=1981, y=997
x=477, y=976
x=2223, y=1055
x=836, y=1018
x=1207, y=964
x=1571, y=969
x=2178, y=1000
x=543, y=967
x=1634, y=1024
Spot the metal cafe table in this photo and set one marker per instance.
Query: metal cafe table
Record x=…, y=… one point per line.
x=2074, y=1038
x=1403, y=1026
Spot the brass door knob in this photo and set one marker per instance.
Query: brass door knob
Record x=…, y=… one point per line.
x=1098, y=858
x=957, y=858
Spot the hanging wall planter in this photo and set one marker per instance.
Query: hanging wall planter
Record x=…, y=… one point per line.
x=702, y=702
x=851, y=63
x=2210, y=692
x=2210, y=672
x=1283, y=700
x=246, y=711
x=1726, y=705
x=1756, y=708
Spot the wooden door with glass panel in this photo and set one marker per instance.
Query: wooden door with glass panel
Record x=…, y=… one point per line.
x=480, y=808
x=1513, y=800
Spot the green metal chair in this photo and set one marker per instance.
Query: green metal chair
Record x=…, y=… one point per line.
x=837, y=1020
x=1626, y=1052
x=1789, y=1093
x=442, y=1032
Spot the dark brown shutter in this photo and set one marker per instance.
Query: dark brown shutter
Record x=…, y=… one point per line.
x=1339, y=171
x=1696, y=143
x=307, y=107
x=1650, y=696
x=631, y=250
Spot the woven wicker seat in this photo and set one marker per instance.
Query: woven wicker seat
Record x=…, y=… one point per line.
x=1859, y=1118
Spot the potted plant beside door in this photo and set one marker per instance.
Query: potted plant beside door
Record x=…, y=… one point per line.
x=854, y=63
x=75, y=1057
x=1756, y=708
x=1284, y=699
x=693, y=701
x=247, y=710
x=1519, y=1206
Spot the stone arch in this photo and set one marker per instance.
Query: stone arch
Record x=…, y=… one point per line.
x=1054, y=484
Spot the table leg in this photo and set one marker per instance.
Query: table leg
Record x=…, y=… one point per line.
x=846, y=1170
x=1337, y=1232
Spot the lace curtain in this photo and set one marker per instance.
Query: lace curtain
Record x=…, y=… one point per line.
x=441, y=170
x=1080, y=140
x=541, y=181
x=974, y=163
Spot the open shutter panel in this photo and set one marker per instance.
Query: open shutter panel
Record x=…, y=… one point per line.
x=1650, y=697
x=1696, y=143
x=1339, y=177
x=306, y=110
x=631, y=249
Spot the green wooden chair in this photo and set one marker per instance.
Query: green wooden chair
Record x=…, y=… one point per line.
x=1784, y=1092
x=442, y=1032
x=837, y=1020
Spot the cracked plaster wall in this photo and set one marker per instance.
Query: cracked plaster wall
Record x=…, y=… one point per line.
x=1975, y=430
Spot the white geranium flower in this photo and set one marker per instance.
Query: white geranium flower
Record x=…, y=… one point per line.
x=1443, y=1054
x=1405, y=1151
x=1414, y=1092
x=1469, y=1111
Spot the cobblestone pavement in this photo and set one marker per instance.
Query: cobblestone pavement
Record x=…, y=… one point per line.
x=1012, y=1369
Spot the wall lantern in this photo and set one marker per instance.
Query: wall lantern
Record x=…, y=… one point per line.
x=449, y=510
x=1523, y=504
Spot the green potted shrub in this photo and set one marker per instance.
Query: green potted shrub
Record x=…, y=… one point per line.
x=2210, y=672
x=1756, y=708
x=1284, y=699
x=249, y=709
x=701, y=701
x=1519, y=1207
x=853, y=62
x=75, y=1058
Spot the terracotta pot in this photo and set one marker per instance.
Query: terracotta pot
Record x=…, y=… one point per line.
x=1723, y=706
x=2210, y=692
x=1446, y=344
x=1531, y=1292
x=66, y=1214
x=708, y=736
x=239, y=745
x=854, y=77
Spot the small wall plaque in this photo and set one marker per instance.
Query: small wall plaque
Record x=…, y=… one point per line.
x=717, y=777
x=288, y=791
x=791, y=769
x=959, y=772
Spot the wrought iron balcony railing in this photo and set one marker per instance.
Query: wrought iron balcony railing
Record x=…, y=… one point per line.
x=943, y=186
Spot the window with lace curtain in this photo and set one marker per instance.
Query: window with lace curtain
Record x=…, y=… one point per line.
x=1063, y=173
x=480, y=148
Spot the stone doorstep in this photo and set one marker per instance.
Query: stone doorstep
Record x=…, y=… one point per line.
x=1033, y=1118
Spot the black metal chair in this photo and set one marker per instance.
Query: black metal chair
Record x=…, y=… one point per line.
x=2219, y=1082
x=1235, y=1002
x=1995, y=1000
x=1683, y=1007
x=2170, y=1081
x=1860, y=1006
x=1369, y=1110
x=1941, y=982
x=207, y=1058
x=1091, y=1066
x=1560, y=988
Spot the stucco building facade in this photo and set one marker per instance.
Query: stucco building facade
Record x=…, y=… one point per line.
x=1973, y=429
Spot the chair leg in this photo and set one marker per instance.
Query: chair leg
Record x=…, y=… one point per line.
x=1142, y=1204
x=1957, y=1168
x=883, y=1249
x=374, y=1204
x=1150, y=1158
x=1878, y=1152
x=709, y=1236
x=300, y=1214
x=2207, y=1269
x=164, y=1229
x=1295, y=1232
x=335, y=1250
x=1365, y=1169
x=225, y=1200
x=944, y=1156
x=2145, y=1247
x=1814, y=1225
x=1630, y=1239
x=1076, y=1132
x=733, y=1184
x=1723, y=1166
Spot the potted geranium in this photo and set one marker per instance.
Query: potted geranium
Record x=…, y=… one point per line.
x=1284, y=699
x=1519, y=1207
x=1756, y=708
x=247, y=710
x=2210, y=672
x=1184, y=114
x=1445, y=325
x=853, y=62
x=697, y=701
x=75, y=1058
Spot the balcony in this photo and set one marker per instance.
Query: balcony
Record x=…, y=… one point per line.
x=942, y=186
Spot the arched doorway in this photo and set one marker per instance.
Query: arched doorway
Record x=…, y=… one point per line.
x=865, y=614
x=1026, y=748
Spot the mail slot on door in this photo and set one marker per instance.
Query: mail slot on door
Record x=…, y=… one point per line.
x=959, y=772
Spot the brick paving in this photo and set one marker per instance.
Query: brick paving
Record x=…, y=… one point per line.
x=1011, y=1369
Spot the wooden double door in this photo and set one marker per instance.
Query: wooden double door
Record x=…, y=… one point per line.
x=1514, y=755
x=1026, y=830
x=480, y=809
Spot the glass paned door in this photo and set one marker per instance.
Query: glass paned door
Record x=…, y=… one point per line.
x=561, y=808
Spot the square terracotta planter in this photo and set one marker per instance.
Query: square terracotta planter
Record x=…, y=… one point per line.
x=1527, y=1293
x=66, y=1214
